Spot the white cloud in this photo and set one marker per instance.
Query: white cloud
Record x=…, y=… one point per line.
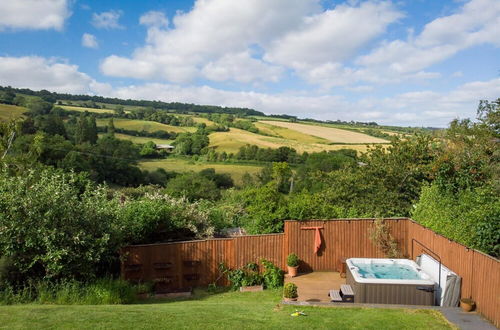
x=477, y=22
x=334, y=35
x=211, y=30
x=241, y=67
x=33, y=14
x=154, y=18
x=107, y=20
x=41, y=73
x=89, y=41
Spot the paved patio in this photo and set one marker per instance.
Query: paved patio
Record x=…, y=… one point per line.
x=313, y=291
x=314, y=287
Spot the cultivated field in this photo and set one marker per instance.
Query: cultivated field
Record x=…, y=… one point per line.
x=8, y=112
x=329, y=133
x=289, y=134
x=82, y=109
x=233, y=140
x=144, y=125
x=181, y=165
x=140, y=139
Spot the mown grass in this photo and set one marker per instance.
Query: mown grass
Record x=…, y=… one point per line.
x=144, y=125
x=233, y=140
x=230, y=310
x=140, y=139
x=237, y=171
x=8, y=112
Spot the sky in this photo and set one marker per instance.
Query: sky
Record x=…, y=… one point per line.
x=408, y=63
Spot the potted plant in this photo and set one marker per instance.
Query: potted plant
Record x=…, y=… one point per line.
x=290, y=292
x=292, y=262
x=467, y=304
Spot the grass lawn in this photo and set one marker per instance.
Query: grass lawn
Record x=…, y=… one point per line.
x=231, y=310
x=182, y=165
x=8, y=112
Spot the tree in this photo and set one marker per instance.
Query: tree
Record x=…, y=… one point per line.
x=193, y=186
x=111, y=128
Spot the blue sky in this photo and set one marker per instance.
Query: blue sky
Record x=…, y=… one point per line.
x=418, y=62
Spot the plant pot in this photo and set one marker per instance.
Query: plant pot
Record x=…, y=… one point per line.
x=289, y=299
x=292, y=271
x=467, y=304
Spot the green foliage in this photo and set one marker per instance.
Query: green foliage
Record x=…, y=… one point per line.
x=272, y=275
x=104, y=291
x=193, y=186
x=290, y=290
x=55, y=225
x=292, y=260
x=471, y=217
x=247, y=275
x=156, y=218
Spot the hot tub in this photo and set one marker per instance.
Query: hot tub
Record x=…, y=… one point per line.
x=389, y=281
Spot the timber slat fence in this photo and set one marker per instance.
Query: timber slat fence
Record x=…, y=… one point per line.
x=195, y=263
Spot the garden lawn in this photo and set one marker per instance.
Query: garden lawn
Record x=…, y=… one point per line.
x=231, y=310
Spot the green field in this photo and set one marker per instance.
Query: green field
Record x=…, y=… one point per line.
x=144, y=125
x=182, y=165
x=231, y=310
x=233, y=140
x=8, y=112
x=140, y=139
x=83, y=109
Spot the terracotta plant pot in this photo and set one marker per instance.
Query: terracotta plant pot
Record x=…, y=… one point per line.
x=467, y=304
x=292, y=271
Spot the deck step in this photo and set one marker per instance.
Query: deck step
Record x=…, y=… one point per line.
x=346, y=293
x=335, y=296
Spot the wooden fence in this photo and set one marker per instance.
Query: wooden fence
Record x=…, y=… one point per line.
x=195, y=263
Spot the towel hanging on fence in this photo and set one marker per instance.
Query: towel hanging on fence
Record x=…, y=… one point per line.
x=317, y=237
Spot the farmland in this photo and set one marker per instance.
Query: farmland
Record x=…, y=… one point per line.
x=140, y=139
x=83, y=109
x=8, y=111
x=144, y=125
x=183, y=165
x=329, y=133
x=233, y=140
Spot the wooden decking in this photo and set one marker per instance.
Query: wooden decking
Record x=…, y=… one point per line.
x=314, y=287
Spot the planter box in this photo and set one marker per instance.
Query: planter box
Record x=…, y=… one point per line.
x=252, y=288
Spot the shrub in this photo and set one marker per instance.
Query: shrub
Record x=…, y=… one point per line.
x=292, y=260
x=272, y=276
x=290, y=290
x=382, y=238
x=100, y=292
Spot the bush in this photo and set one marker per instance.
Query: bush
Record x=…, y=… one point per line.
x=469, y=216
x=55, y=225
x=103, y=291
x=292, y=260
x=290, y=290
x=272, y=276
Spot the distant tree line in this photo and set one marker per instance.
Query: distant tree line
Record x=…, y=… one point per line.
x=177, y=106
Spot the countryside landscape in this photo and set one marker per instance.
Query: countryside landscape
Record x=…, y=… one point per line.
x=260, y=180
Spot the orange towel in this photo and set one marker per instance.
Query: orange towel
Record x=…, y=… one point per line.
x=317, y=237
